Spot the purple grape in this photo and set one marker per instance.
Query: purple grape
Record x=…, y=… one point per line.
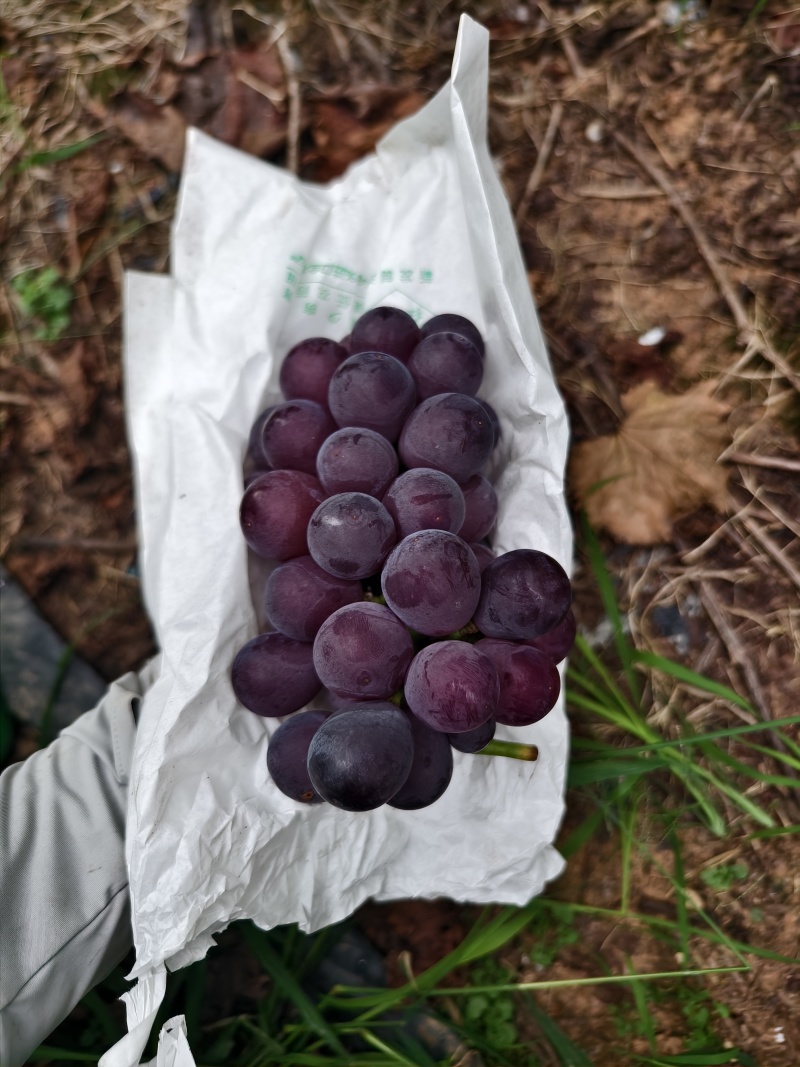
x=529, y=681
x=446, y=363
x=274, y=675
x=299, y=596
x=452, y=686
x=430, y=772
x=523, y=594
x=451, y=323
x=432, y=582
x=557, y=642
x=374, y=391
x=357, y=461
x=449, y=432
x=483, y=554
x=275, y=512
x=360, y=757
x=307, y=370
x=493, y=419
x=385, y=329
x=350, y=535
x=293, y=433
x=474, y=740
x=481, y=508
x=424, y=499
x=287, y=756
x=363, y=649
x=255, y=458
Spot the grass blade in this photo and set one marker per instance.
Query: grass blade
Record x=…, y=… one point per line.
x=699, y=681
x=56, y=155
x=624, y=648
x=269, y=959
x=570, y=1054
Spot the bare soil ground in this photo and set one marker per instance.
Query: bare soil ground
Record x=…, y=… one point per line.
x=652, y=156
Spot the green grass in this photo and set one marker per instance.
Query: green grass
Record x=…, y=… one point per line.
x=44, y=299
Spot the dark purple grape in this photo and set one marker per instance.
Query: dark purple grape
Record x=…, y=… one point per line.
x=308, y=368
x=385, y=329
x=287, y=756
x=432, y=582
x=424, y=499
x=451, y=323
x=360, y=757
x=449, y=432
x=529, y=681
x=493, y=419
x=293, y=434
x=357, y=461
x=363, y=649
x=474, y=740
x=255, y=458
x=275, y=512
x=446, y=363
x=372, y=390
x=430, y=772
x=557, y=642
x=480, y=500
x=483, y=554
x=299, y=596
x=452, y=686
x=274, y=675
x=350, y=535
x=523, y=594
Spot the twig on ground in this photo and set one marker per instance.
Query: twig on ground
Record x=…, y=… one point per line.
x=541, y=161
x=750, y=335
x=774, y=510
x=86, y=544
x=571, y=53
x=293, y=91
x=750, y=459
x=766, y=87
x=757, y=533
x=736, y=649
x=618, y=192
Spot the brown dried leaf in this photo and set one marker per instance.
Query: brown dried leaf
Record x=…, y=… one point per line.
x=158, y=131
x=660, y=465
x=233, y=97
x=342, y=136
x=80, y=391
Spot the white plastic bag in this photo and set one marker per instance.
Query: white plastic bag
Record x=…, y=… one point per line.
x=260, y=261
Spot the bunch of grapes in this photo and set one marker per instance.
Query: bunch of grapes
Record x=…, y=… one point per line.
x=365, y=487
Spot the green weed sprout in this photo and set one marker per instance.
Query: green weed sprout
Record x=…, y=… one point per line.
x=44, y=297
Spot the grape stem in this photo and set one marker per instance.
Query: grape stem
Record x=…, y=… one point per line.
x=465, y=631
x=512, y=749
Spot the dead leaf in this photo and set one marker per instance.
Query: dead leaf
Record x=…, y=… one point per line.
x=342, y=135
x=248, y=117
x=158, y=131
x=204, y=31
x=75, y=372
x=85, y=186
x=660, y=465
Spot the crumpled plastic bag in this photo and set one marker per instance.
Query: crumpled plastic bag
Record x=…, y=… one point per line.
x=261, y=260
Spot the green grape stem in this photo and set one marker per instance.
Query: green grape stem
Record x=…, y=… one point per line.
x=511, y=749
